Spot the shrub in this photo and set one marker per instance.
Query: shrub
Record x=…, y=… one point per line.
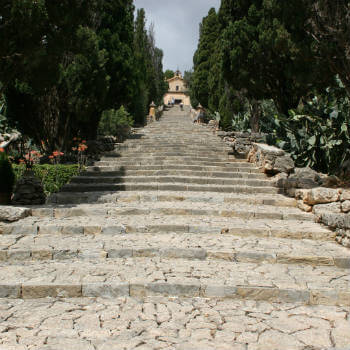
x=52, y=176
x=115, y=123
x=7, y=175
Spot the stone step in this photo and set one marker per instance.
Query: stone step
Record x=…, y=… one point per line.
x=171, y=196
x=170, y=179
x=160, y=156
x=242, y=211
x=140, y=277
x=175, y=172
x=171, y=323
x=168, y=187
x=184, y=148
x=15, y=248
x=161, y=224
x=179, y=166
x=122, y=162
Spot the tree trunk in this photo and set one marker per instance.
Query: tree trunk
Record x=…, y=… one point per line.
x=255, y=116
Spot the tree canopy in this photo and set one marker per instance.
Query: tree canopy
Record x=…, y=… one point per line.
x=63, y=63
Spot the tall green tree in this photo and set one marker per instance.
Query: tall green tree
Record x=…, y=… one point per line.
x=268, y=54
x=329, y=28
x=54, y=70
x=208, y=35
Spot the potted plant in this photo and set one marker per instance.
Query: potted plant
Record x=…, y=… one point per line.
x=7, y=179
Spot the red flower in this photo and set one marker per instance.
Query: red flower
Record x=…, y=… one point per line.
x=2, y=150
x=51, y=157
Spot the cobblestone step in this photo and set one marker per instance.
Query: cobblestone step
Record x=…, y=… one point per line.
x=140, y=277
x=170, y=324
x=174, y=246
x=193, y=161
x=70, y=188
x=96, y=225
x=172, y=196
x=174, y=172
x=179, y=166
x=170, y=179
x=243, y=211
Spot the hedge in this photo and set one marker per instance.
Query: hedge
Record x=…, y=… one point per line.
x=53, y=177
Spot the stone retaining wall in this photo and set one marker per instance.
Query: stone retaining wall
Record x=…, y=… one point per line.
x=315, y=192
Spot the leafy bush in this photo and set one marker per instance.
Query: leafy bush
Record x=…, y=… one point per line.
x=316, y=135
x=52, y=176
x=7, y=175
x=116, y=123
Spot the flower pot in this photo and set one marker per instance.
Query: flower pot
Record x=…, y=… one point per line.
x=5, y=198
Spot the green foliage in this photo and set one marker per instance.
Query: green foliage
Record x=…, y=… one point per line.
x=7, y=175
x=209, y=31
x=317, y=135
x=168, y=74
x=329, y=26
x=115, y=123
x=267, y=52
x=64, y=63
x=149, y=76
x=52, y=176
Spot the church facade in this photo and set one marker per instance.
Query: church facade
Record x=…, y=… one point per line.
x=178, y=91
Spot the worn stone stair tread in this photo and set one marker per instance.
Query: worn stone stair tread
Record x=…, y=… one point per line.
x=173, y=196
x=176, y=179
x=121, y=161
x=161, y=156
x=171, y=324
x=172, y=172
x=141, y=277
x=178, y=166
x=247, y=211
x=173, y=223
x=155, y=186
x=179, y=246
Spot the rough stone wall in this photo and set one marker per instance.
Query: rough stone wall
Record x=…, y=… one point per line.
x=315, y=192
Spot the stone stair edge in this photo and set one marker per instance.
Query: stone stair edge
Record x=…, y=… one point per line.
x=145, y=289
x=15, y=255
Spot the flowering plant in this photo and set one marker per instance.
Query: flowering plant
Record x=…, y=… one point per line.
x=31, y=158
x=80, y=148
x=55, y=157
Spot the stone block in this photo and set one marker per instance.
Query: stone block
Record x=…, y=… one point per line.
x=72, y=230
x=345, y=195
x=324, y=297
x=92, y=230
x=42, y=255
x=119, y=253
x=333, y=219
x=345, y=206
x=36, y=291
x=273, y=294
x=320, y=209
x=112, y=230
x=10, y=291
x=19, y=255
x=104, y=290
x=164, y=289
x=11, y=214
x=303, y=206
x=218, y=291
x=177, y=253
x=321, y=195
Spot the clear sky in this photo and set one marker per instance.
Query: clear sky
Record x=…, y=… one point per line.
x=177, y=27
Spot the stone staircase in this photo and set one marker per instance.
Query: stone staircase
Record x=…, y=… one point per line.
x=169, y=242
